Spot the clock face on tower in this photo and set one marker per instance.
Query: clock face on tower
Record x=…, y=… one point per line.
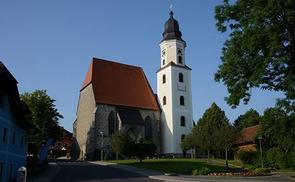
x=179, y=51
x=163, y=52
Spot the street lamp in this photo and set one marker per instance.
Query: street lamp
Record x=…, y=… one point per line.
x=101, y=147
x=260, y=138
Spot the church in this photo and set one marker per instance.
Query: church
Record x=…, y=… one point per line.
x=118, y=97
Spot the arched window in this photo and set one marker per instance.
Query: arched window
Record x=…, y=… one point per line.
x=164, y=78
x=179, y=59
x=164, y=100
x=148, y=131
x=112, y=123
x=181, y=100
x=163, y=61
x=182, y=121
x=180, y=77
x=182, y=137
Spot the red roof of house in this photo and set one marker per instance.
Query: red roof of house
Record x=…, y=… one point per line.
x=120, y=84
x=248, y=134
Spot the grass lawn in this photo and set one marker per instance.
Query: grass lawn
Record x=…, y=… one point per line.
x=179, y=166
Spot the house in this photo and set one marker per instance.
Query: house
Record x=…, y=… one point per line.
x=13, y=128
x=63, y=145
x=118, y=97
x=247, y=139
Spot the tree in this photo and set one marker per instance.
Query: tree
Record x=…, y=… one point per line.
x=142, y=149
x=209, y=131
x=43, y=117
x=260, y=51
x=188, y=143
x=278, y=130
x=250, y=118
x=118, y=143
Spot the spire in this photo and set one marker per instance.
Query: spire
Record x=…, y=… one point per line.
x=171, y=29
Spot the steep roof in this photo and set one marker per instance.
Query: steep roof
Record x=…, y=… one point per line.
x=248, y=134
x=120, y=84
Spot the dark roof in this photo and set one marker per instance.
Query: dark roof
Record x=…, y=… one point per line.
x=130, y=116
x=8, y=86
x=120, y=84
x=171, y=30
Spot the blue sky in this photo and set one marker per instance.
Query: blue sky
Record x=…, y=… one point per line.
x=49, y=45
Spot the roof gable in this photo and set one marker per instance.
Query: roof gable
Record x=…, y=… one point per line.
x=120, y=84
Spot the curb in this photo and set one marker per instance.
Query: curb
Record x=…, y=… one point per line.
x=47, y=175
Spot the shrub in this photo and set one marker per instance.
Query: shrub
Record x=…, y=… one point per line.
x=261, y=171
x=248, y=157
x=275, y=158
x=202, y=171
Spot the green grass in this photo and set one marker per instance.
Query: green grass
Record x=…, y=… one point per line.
x=179, y=166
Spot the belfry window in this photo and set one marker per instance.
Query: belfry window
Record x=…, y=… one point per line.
x=164, y=100
x=180, y=77
x=182, y=121
x=179, y=59
x=163, y=61
x=182, y=137
x=181, y=100
x=164, y=78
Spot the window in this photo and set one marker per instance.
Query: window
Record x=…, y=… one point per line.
x=179, y=59
x=163, y=61
x=164, y=78
x=180, y=77
x=164, y=100
x=1, y=102
x=112, y=123
x=13, y=138
x=182, y=137
x=1, y=170
x=10, y=171
x=181, y=100
x=182, y=121
x=4, y=138
x=22, y=141
x=148, y=128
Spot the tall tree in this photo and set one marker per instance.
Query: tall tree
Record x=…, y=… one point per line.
x=43, y=117
x=260, y=50
x=119, y=141
x=210, y=129
x=278, y=130
x=250, y=118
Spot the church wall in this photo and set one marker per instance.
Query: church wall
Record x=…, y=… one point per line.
x=84, y=122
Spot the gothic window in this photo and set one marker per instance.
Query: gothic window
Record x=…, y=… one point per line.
x=163, y=61
x=164, y=100
x=180, y=77
x=182, y=121
x=148, y=131
x=182, y=137
x=179, y=59
x=164, y=78
x=181, y=100
x=112, y=123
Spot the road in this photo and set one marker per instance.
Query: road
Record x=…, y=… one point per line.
x=87, y=172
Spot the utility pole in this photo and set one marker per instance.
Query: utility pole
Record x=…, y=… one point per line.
x=101, y=147
x=260, y=138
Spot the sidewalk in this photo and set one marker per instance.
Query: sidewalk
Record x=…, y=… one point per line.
x=276, y=177
x=47, y=175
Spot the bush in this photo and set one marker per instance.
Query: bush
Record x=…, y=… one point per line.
x=249, y=157
x=202, y=171
x=261, y=171
x=275, y=158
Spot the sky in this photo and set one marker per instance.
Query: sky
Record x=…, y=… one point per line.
x=49, y=45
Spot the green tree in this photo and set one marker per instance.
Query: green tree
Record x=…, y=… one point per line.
x=250, y=118
x=43, y=117
x=278, y=130
x=142, y=149
x=210, y=130
x=260, y=50
x=118, y=143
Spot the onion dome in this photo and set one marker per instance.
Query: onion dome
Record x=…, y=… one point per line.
x=171, y=30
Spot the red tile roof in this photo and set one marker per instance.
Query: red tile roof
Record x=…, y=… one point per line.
x=120, y=84
x=248, y=134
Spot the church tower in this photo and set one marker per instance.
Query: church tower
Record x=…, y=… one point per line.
x=174, y=89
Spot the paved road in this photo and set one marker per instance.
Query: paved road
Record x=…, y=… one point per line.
x=87, y=172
